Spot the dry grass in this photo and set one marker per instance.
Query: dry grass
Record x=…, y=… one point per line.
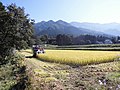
x=55, y=76
x=75, y=57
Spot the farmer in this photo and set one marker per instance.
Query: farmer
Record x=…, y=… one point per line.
x=35, y=49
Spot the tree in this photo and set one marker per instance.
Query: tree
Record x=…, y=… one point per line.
x=37, y=40
x=114, y=39
x=16, y=29
x=59, y=39
x=44, y=38
x=64, y=39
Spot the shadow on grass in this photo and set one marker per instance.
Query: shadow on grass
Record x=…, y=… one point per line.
x=29, y=57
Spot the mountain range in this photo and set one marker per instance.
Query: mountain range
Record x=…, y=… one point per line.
x=108, y=28
x=53, y=28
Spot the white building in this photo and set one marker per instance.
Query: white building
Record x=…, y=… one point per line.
x=108, y=41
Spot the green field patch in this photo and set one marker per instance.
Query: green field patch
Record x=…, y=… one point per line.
x=41, y=73
x=61, y=74
x=114, y=75
x=50, y=79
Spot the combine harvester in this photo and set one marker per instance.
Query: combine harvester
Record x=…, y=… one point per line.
x=37, y=49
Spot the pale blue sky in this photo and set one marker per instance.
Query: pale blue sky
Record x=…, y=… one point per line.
x=97, y=11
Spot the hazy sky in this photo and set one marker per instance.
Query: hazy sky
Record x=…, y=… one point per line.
x=97, y=11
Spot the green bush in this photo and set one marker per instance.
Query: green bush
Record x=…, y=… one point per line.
x=12, y=74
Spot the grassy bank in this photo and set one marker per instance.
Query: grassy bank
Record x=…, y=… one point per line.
x=12, y=74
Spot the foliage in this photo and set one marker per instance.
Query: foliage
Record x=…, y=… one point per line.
x=12, y=74
x=6, y=78
x=44, y=38
x=86, y=39
x=15, y=29
x=78, y=57
x=63, y=39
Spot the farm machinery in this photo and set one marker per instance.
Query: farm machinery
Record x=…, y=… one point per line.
x=37, y=49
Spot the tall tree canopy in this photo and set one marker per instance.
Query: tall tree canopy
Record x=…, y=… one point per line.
x=16, y=29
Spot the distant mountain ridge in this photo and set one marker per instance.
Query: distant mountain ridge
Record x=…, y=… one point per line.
x=53, y=28
x=108, y=28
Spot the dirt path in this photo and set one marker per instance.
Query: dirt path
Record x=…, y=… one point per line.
x=52, y=76
x=45, y=75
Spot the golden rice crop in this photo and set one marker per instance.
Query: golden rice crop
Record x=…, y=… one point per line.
x=78, y=57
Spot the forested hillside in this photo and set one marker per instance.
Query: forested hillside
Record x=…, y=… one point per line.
x=52, y=28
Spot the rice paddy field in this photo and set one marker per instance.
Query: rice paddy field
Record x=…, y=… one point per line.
x=44, y=75
x=79, y=57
